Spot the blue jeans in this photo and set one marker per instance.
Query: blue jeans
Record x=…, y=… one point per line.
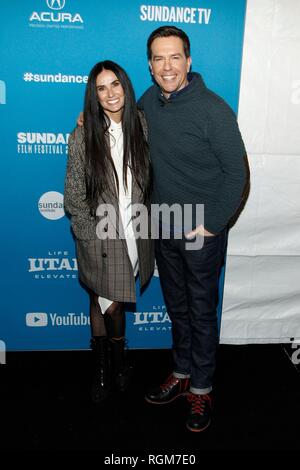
x=190, y=281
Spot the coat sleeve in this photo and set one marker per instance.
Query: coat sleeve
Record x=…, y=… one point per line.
x=75, y=203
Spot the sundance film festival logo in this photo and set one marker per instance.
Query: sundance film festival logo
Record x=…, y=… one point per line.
x=54, y=17
x=2, y=92
x=56, y=265
x=42, y=143
x=43, y=319
x=157, y=320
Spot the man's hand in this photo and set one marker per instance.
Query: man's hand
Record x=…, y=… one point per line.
x=200, y=230
x=80, y=119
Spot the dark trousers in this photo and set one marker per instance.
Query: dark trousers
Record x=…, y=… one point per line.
x=190, y=281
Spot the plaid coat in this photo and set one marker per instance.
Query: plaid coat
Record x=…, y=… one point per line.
x=104, y=265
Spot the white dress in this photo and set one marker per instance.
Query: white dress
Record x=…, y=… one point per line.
x=125, y=203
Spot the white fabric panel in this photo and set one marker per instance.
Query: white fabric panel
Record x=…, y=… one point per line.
x=266, y=309
x=261, y=294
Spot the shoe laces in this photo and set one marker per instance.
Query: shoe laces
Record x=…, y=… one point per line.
x=199, y=402
x=169, y=382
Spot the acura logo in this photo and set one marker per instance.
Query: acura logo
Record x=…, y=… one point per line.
x=56, y=4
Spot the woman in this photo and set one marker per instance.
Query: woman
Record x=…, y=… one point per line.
x=108, y=168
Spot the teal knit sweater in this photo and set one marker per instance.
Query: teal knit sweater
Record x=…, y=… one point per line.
x=196, y=150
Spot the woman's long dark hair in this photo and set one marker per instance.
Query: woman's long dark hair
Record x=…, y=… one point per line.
x=99, y=162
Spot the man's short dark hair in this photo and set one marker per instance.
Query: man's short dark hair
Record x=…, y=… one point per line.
x=165, y=32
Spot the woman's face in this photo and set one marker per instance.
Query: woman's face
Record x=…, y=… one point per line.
x=110, y=94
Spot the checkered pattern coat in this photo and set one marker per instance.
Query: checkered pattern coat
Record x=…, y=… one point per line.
x=104, y=265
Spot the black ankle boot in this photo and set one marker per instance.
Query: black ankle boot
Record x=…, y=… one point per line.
x=101, y=381
x=122, y=371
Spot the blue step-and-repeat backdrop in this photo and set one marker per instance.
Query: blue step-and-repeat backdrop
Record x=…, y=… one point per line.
x=47, y=50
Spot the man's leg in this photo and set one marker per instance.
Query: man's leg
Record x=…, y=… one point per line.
x=202, y=270
x=171, y=271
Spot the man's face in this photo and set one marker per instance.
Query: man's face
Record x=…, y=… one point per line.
x=169, y=65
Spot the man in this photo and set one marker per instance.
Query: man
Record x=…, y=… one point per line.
x=198, y=157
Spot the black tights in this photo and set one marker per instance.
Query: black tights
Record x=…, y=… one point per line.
x=112, y=323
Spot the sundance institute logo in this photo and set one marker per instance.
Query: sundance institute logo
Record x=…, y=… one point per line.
x=51, y=205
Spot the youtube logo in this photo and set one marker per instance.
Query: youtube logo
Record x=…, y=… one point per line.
x=36, y=319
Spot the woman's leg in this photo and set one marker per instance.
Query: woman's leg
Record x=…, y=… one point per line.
x=101, y=383
x=96, y=317
x=115, y=323
x=114, y=318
